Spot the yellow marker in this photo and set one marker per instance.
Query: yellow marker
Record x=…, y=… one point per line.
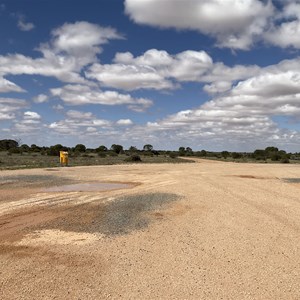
x=64, y=158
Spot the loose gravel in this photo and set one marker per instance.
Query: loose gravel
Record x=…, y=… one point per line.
x=119, y=217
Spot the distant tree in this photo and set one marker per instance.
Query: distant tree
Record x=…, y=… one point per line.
x=275, y=156
x=203, y=153
x=133, y=158
x=7, y=144
x=155, y=152
x=116, y=148
x=148, y=147
x=285, y=160
x=259, y=154
x=271, y=149
x=35, y=148
x=80, y=148
x=101, y=148
x=25, y=147
x=236, y=155
x=225, y=154
x=181, y=151
x=54, y=150
x=282, y=153
x=133, y=149
x=188, y=151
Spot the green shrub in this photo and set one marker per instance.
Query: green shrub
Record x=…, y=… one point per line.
x=76, y=154
x=236, y=155
x=133, y=158
x=173, y=155
x=148, y=153
x=101, y=154
x=116, y=148
x=15, y=150
x=285, y=160
x=275, y=157
x=80, y=148
x=101, y=148
x=113, y=154
x=54, y=150
x=8, y=144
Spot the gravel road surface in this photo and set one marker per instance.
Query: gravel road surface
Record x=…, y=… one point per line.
x=207, y=230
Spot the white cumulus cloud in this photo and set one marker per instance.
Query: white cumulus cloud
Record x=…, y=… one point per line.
x=41, y=98
x=8, y=107
x=233, y=23
x=31, y=115
x=81, y=94
x=157, y=69
x=7, y=86
x=72, y=46
x=124, y=122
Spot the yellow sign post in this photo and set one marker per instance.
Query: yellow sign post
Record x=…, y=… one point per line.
x=64, y=158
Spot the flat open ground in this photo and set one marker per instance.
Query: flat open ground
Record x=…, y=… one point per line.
x=208, y=230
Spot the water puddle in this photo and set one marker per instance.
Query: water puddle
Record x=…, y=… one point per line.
x=88, y=187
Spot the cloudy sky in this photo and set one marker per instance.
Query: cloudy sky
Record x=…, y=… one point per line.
x=208, y=74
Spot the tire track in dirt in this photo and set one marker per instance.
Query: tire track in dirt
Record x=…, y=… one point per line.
x=274, y=214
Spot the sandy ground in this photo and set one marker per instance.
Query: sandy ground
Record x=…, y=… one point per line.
x=210, y=230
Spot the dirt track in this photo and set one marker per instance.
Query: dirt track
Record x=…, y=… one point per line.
x=209, y=230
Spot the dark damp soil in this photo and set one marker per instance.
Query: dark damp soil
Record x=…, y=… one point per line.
x=119, y=217
x=291, y=180
x=32, y=181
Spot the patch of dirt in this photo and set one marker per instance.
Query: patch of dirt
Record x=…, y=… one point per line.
x=14, y=226
x=15, y=194
x=45, y=255
x=16, y=251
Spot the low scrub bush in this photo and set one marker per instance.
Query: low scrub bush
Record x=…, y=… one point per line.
x=15, y=150
x=113, y=154
x=285, y=160
x=173, y=155
x=133, y=158
x=148, y=153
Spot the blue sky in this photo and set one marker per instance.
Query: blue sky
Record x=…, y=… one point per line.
x=208, y=74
